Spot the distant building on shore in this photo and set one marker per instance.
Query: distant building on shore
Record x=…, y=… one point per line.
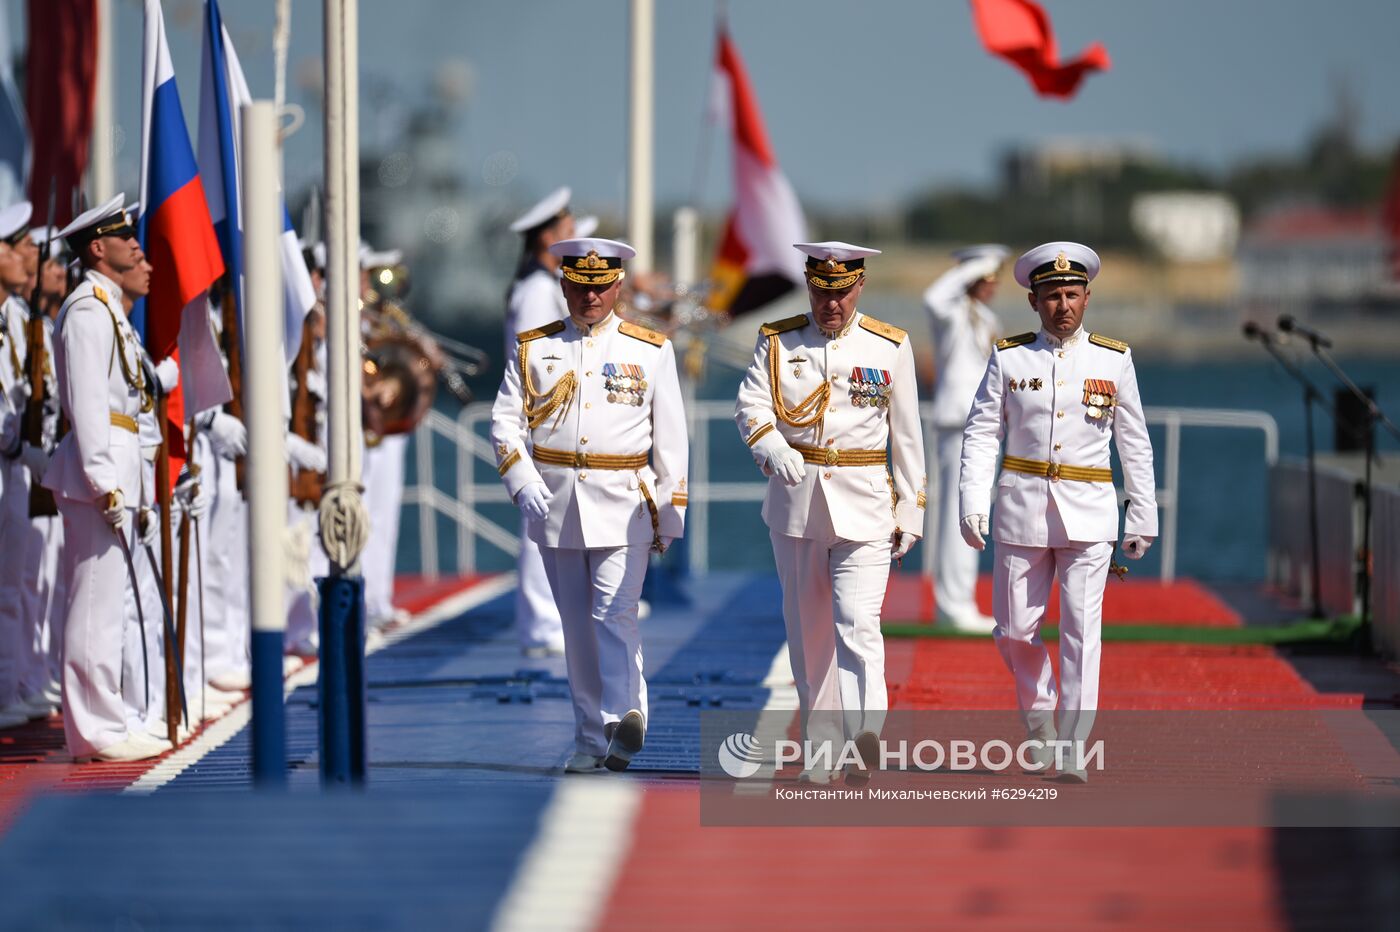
x=1316, y=257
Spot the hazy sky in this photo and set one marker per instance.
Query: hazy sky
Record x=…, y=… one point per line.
x=866, y=103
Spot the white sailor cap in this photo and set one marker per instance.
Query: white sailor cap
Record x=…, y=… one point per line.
x=592, y=261
x=988, y=250
x=834, y=265
x=42, y=235
x=107, y=219
x=380, y=259
x=14, y=221
x=554, y=205
x=1057, y=262
x=585, y=227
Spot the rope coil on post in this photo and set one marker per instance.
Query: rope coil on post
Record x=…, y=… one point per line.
x=344, y=523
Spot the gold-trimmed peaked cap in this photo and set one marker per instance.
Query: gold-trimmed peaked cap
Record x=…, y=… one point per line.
x=109, y=219
x=835, y=265
x=1059, y=263
x=592, y=261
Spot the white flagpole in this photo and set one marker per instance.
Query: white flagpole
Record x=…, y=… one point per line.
x=640, y=129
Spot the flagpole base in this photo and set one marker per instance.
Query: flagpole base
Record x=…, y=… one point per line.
x=342, y=681
x=269, y=721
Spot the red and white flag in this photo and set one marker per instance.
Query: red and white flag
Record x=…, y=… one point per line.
x=756, y=262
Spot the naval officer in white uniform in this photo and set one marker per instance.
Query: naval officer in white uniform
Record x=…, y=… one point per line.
x=1050, y=403
x=536, y=299
x=95, y=476
x=590, y=437
x=830, y=409
x=964, y=329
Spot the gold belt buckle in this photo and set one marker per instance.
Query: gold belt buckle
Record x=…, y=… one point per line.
x=833, y=456
x=579, y=460
x=1054, y=472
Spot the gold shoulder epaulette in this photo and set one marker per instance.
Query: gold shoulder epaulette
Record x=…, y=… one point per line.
x=882, y=329
x=783, y=326
x=638, y=332
x=1019, y=339
x=100, y=294
x=1117, y=346
x=548, y=329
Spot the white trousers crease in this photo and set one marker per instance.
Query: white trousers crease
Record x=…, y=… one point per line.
x=14, y=628
x=383, y=477
x=536, y=616
x=833, y=590
x=227, y=628
x=598, y=592
x=93, y=714
x=1022, y=580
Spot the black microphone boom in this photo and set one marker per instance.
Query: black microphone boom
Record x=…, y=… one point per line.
x=1287, y=324
x=1253, y=331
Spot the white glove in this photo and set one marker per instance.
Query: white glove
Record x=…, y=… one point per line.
x=114, y=509
x=534, y=501
x=666, y=543
x=779, y=459
x=316, y=383
x=35, y=459
x=974, y=531
x=304, y=455
x=228, y=435
x=148, y=525
x=192, y=497
x=168, y=373
x=1135, y=546
x=902, y=542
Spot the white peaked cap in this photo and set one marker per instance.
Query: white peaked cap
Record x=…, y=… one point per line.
x=841, y=252
x=546, y=209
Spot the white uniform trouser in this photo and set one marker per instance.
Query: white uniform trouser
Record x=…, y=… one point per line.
x=833, y=590
x=955, y=566
x=93, y=714
x=303, y=601
x=1022, y=580
x=384, y=466
x=14, y=521
x=536, y=616
x=598, y=592
x=226, y=626
x=43, y=604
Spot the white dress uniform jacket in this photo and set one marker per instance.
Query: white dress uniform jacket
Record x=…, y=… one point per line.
x=94, y=336
x=963, y=333
x=535, y=300
x=1037, y=398
x=864, y=502
x=568, y=372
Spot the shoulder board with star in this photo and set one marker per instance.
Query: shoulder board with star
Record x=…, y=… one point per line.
x=783, y=326
x=547, y=330
x=638, y=332
x=1118, y=346
x=1020, y=339
x=882, y=329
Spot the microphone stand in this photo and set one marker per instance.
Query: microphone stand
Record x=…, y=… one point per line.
x=1374, y=416
x=1310, y=396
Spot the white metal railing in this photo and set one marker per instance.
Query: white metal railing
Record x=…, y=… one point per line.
x=471, y=446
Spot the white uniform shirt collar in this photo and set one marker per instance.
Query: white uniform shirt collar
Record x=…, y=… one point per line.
x=1067, y=342
x=837, y=334
x=596, y=329
x=114, y=291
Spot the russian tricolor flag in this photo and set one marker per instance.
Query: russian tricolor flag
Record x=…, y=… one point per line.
x=178, y=238
x=223, y=91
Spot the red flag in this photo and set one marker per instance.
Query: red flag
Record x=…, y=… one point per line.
x=1390, y=215
x=756, y=262
x=1019, y=31
x=58, y=97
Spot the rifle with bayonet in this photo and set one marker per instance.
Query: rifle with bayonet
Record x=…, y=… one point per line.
x=36, y=368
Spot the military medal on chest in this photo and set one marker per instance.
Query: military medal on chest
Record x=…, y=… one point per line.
x=1100, y=396
x=626, y=383
x=870, y=388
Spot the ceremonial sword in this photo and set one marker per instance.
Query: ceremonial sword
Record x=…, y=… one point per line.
x=140, y=615
x=169, y=625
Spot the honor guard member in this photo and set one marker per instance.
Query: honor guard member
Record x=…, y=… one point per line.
x=590, y=436
x=827, y=395
x=964, y=329
x=95, y=476
x=1049, y=403
x=535, y=300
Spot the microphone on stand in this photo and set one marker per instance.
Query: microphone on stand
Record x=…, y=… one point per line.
x=1287, y=324
x=1253, y=331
